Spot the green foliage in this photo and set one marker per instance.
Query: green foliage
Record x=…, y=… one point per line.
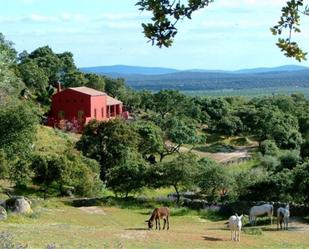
x=179, y=173
x=74, y=79
x=151, y=138
x=33, y=76
x=168, y=102
x=304, y=150
x=95, y=81
x=216, y=108
x=20, y=171
x=273, y=187
x=301, y=182
x=282, y=127
x=166, y=14
x=127, y=176
x=213, y=179
x=269, y=147
x=290, y=20
x=108, y=142
x=229, y=125
x=17, y=128
x=244, y=179
x=181, y=132
x=4, y=166
x=48, y=61
x=270, y=163
x=70, y=170
x=10, y=84
x=289, y=159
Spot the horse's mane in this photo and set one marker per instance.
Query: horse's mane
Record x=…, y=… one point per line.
x=152, y=217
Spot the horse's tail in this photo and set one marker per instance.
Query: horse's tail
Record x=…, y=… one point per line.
x=271, y=214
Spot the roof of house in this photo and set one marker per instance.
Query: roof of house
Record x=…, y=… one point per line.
x=112, y=101
x=88, y=91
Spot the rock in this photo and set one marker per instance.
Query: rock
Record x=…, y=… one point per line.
x=18, y=204
x=3, y=214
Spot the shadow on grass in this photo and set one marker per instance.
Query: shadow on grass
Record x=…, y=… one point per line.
x=136, y=229
x=212, y=215
x=208, y=238
x=274, y=229
x=215, y=148
x=125, y=203
x=213, y=137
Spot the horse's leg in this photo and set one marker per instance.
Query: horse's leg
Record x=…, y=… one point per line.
x=231, y=234
x=277, y=222
x=164, y=220
x=159, y=224
x=238, y=235
x=168, y=223
x=156, y=224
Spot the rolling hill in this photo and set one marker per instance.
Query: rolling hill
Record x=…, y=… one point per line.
x=196, y=79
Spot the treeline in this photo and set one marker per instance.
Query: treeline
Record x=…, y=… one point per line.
x=217, y=81
x=147, y=151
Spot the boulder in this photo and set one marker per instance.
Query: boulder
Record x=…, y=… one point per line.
x=18, y=204
x=3, y=214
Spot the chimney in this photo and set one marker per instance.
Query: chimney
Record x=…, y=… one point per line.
x=58, y=86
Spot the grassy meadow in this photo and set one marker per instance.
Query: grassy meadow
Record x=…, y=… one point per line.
x=250, y=93
x=59, y=225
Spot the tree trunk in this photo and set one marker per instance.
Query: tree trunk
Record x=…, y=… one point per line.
x=177, y=194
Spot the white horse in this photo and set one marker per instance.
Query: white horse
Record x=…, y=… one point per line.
x=283, y=215
x=235, y=225
x=259, y=211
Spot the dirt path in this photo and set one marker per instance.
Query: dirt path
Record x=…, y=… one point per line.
x=221, y=157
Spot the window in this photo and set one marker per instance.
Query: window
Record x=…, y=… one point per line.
x=61, y=114
x=102, y=112
x=95, y=113
x=80, y=116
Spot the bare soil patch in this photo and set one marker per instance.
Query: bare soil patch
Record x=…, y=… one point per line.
x=92, y=210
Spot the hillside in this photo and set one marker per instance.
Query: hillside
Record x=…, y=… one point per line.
x=285, y=76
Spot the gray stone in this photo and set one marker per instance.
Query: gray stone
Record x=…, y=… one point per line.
x=18, y=204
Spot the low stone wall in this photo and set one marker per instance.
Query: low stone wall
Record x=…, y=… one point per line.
x=243, y=207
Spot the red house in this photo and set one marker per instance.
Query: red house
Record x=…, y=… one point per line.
x=76, y=106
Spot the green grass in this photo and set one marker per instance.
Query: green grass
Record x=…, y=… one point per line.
x=250, y=93
x=70, y=227
x=49, y=140
x=242, y=167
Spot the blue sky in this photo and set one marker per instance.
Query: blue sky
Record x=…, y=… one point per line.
x=226, y=35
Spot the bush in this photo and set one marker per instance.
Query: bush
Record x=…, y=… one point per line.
x=304, y=150
x=56, y=172
x=269, y=147
x=270, y=163
x=289, y=160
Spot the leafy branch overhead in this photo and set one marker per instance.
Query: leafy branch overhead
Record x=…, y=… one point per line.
x=290, y=21
x=166, y=14
x=162, y=29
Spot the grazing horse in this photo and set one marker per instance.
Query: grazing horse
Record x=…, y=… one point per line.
x=235, y=225
x=157, y=214
x=259, y=211
x=283, y=215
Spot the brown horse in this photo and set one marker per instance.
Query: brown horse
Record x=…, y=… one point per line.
x=157, y=214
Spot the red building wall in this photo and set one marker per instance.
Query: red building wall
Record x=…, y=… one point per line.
x=79, y=108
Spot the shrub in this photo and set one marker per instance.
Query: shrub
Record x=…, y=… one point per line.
x=289, y=160
x=269, y=147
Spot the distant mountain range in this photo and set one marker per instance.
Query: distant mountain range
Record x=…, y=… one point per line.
x=123, y=70
x=156, y=78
